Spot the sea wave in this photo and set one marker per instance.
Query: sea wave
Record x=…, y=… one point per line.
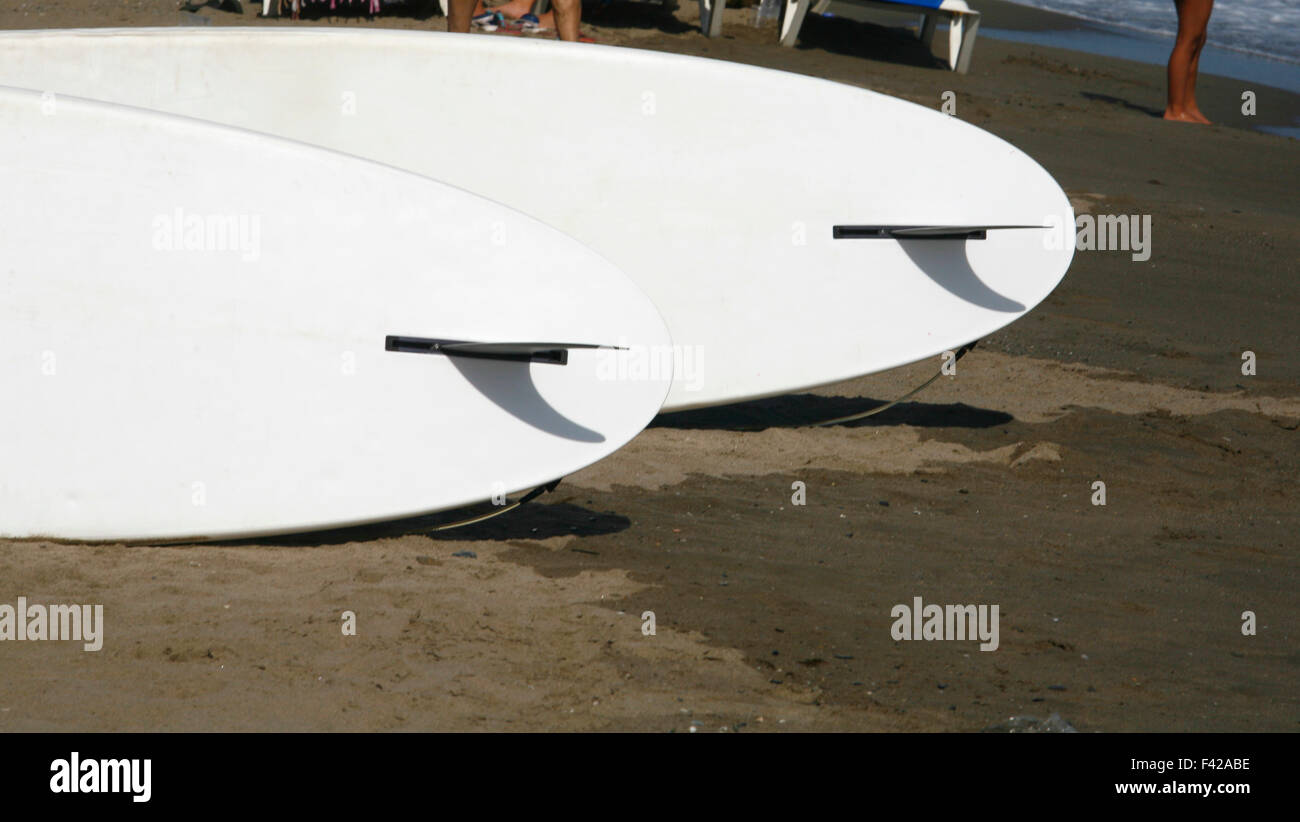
x=1267, y=28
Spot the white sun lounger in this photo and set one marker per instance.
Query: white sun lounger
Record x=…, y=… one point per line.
x=963, y=21
x=711, y=17
x=267, y=4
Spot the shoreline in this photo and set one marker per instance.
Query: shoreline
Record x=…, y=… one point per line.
x=1029, y=26
x=1146, y=33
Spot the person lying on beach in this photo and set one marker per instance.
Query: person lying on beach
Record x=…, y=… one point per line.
x=519, y=11
x=567, y=16
x=1193, y=17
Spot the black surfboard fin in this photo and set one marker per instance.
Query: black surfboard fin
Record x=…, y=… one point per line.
x=547, y=352
x=918, y=232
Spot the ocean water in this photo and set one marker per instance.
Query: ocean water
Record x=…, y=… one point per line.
x=1267, y=28
x=1256, y=41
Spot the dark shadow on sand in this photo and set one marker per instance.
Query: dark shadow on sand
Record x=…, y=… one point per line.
x=1118, y=101
x=795, y=410
x=539, y=520
x=839, y=35
x=648, y=14
x=356, y=10
x=533, y=520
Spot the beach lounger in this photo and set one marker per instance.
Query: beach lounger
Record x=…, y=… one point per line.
x=963, y=21
x=711, y=17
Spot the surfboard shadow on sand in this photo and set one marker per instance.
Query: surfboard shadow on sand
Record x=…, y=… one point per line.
x=510, y=386
x=870, y=40
x=535, y=520
x=797, y=410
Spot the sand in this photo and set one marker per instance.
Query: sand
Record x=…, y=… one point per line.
x=776, y=616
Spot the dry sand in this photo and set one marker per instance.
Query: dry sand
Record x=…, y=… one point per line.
x=773, y=616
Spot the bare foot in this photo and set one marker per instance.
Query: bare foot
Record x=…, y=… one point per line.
x=1197, y=116
x=1181, y=116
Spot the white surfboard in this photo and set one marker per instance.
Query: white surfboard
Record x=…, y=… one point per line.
x=207, y=332
x=765, y=213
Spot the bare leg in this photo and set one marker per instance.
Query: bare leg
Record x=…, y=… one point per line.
x=459, y=13
x=547, y=20
x=568, y=18
x=1192, y=73
x=1193, y=17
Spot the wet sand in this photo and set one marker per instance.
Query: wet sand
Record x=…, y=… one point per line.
x=774, y=616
